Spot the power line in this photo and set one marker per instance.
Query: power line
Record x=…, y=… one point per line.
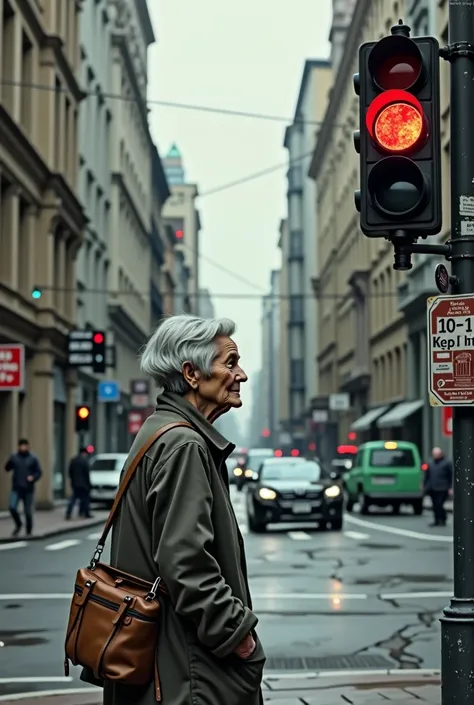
x=169, y=104
x=224, y=269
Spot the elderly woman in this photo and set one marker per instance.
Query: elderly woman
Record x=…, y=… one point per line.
x=176, y=521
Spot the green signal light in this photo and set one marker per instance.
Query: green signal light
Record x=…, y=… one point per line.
x=36, y=293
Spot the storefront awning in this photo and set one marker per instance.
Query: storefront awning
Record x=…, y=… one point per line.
x=399, y=413
x=366, y=421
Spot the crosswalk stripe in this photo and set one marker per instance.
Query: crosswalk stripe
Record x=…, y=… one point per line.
x=13, y=544
x=68, y=543
x=95, y=537
x=299, y=535
x=356, y=535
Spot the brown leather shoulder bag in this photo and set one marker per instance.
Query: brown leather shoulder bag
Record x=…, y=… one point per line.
x=114, y=617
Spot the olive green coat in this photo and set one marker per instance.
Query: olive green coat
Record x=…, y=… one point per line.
x=177, y=521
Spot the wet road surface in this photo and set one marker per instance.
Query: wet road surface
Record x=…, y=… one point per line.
x=366, y=598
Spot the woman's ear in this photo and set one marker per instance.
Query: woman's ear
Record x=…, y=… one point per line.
x=191, y=375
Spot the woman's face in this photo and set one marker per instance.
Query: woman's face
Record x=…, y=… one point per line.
x=222, y=389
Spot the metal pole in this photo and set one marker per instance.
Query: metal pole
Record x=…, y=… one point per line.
x=457, y=623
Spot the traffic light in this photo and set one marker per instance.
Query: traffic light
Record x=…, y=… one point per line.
x=36, y=293
x=83, y=415
x=179, y=234
x=399, y=138
x=98, y=351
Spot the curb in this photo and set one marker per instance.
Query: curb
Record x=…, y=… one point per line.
x=54, y=532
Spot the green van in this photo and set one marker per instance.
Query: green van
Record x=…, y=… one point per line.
x=385, y=473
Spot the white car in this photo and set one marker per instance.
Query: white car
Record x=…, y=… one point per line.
x=105, y=470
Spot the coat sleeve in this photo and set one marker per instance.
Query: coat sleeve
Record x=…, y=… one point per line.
x=180, y=503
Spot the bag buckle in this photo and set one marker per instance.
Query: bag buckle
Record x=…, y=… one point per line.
x=96, y=556
x=154, y=589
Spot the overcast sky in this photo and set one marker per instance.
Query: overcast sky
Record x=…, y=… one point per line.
x=248, y=57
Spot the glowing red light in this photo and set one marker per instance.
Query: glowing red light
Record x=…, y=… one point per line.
x=295, y=452
x=312, y=447
x=342, y=450
x=351, y=436
x=278, y=453
x=396, y=122
x=90, y=449
x=424, y=467
x=179, y=234
x=98, y=338
x=266, y=432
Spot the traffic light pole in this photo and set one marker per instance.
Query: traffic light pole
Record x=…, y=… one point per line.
x=457, y=623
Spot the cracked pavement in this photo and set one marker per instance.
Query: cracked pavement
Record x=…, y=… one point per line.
x=362, y=599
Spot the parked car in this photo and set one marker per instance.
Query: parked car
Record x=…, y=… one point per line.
x=294, y=490
x=385, y=473
x=105, y=470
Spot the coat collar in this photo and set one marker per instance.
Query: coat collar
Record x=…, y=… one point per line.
x=191, y=414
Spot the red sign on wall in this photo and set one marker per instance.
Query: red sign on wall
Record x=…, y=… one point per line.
x=451, y=350
x=447, y=421
x=12, y=367
x=135, y=420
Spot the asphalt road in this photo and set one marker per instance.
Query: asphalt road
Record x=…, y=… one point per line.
x=368, y=597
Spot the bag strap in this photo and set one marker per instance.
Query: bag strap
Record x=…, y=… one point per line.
x=126, y=480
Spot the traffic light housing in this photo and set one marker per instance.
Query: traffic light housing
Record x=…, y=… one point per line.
x=83, y=416
x=98, y=351
x=399, y=140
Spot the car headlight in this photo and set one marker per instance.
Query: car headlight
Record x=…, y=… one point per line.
x=333, y=491
x=265, y=493
x=237, y=472
x=248, y=473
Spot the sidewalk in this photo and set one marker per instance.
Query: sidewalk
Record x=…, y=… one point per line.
x=49, y=523
x=398, y=687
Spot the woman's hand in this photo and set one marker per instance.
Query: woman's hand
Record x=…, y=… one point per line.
x=246, y=647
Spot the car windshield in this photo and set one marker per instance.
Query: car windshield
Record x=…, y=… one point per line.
x=256, y=458
x=304, y=470
x=106, y=464
x=400, y=458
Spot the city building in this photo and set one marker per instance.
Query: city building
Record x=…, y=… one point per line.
x=41, y=230
x=270, y=374
x=206, y=306
x=94, y=189
x=284, y=437
x=130, y=253
x=181, y=213
x=158, y=237
x=299, y=247
x=425, y=18
x=362, y=347
x=255, y=426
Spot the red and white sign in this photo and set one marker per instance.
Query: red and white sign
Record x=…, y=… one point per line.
x=135, y=420
x=447, y=421
x=12, y=367
x=451, y=350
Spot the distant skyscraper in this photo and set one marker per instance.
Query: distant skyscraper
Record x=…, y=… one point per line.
x=173, y=165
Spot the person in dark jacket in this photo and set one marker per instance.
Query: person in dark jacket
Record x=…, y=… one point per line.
x=26, y=471
x=438, y=483
x=176, y=521
x=80, y=484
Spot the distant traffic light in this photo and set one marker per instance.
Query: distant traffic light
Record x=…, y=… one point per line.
x=98, y=351
x=399, y=138
x=83, y=415
x=179, y=234
x=36, y=293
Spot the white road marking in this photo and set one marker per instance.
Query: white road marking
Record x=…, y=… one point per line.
x=68, y=543
x=414, y=595
x=13, y=544
x=299, y=535
x=307, y=596
x=38, y=679
x=95, y=537
x=397, y=532
x=356, y=535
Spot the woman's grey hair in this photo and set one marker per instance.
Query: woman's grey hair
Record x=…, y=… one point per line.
x=180, y=339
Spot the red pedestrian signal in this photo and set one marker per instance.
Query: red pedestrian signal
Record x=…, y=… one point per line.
x=399, y=140
x=98, y=338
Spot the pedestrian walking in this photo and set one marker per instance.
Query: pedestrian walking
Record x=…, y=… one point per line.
x=26, y=471
x=176, y=521
x=79, y=475
x=438, y=483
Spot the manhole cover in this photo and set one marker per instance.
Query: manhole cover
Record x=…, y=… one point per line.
x=326, y=663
